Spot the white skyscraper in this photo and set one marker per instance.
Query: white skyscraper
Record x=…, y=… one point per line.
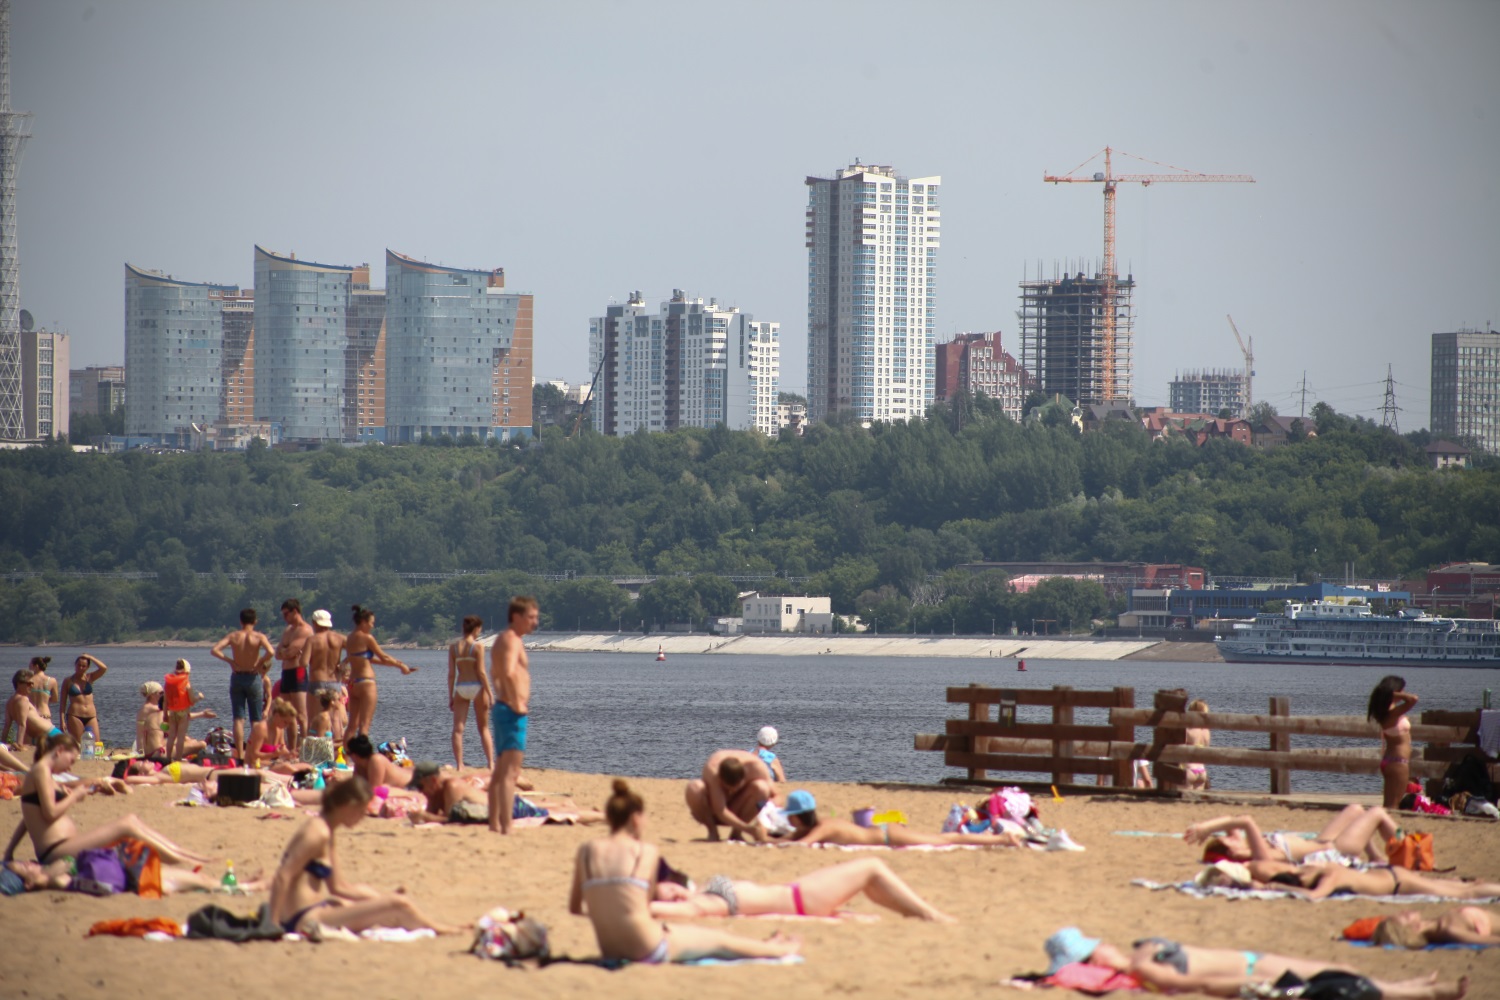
x=872, y=239
x=692, y=364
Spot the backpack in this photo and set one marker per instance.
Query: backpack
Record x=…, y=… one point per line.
x=510, y=938
x=99, y=873
x=219, y=745
x=1472, y=775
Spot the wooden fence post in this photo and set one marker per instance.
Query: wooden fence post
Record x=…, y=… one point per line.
x=1172, y=776
x=1124, y=733
x=978, y=744
x=1062, y=715
x=1281, y=777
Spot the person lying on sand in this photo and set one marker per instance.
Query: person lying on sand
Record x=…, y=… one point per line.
x=1322, y=881
x=455, y=798
x=730, y=791
x=1355, y=832
x=44, y=809
x=802, y=813
x=309, y=868
x=614, y=880
x=58, y=876
x=376, y=768
x=1168, y=967
x=1463, y=925
x=817, y=894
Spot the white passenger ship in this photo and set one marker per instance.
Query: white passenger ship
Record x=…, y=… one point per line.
x=1324, y=632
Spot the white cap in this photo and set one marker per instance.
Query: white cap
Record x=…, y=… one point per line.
x=322, y=618
x=767, y=737
x=184, y=666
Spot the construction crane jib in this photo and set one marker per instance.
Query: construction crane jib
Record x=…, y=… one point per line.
x=1110, y=180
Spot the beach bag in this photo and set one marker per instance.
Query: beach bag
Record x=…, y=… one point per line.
x=142, y=867
x=317, y=750
x=219, y=746
x=1413, y=852
x=219, y=924
x=99, y=873
x=1468, y=775
x=510, y=938
x=1012, y=804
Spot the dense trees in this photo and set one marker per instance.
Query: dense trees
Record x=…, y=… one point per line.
x=876, y=517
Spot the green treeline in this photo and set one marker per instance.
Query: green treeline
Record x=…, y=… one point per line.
x=878, y=518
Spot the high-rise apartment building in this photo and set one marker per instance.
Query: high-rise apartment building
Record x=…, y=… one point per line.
x=364, y=361
x=1062, y=337
x=301, y=336
x=237, y=360
x=174, y=354
x=96, y=389
x=976, y=363
x=44, y=384
x=691, y=364
x=872, y=241
x=458, y=353
x=1466, y=387
x=1209, y=391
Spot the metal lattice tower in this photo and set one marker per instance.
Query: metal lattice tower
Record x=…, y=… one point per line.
x=1390, y=409
x=13, y=135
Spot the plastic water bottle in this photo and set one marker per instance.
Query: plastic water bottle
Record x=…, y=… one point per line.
x=88, y=747
x=229, y=883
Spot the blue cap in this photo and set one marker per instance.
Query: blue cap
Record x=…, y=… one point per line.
x=800, y=802
x=1068, y=946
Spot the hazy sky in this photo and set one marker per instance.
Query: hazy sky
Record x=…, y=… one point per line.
x=595, y=148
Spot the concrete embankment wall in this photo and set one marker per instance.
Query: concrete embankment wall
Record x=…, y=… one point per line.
x=847, y=645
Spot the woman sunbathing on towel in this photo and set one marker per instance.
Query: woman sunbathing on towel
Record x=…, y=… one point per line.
x=802, y=813
x=1169, y=967
x=1321, y=881
x=1355, y=832
x=36, y=877
x=1464, y=925
x=309, y=868
x=44, y=809
x=818, y=894
x=614, y=880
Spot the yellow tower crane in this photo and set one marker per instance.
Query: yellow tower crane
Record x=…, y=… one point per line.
x=1247, y=349
x=1110, y=179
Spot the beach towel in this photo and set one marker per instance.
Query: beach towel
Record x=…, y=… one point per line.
x=136, y=927
x=1224, y=892
x=1430, y=947
x=1095, y=980
x=616, y=964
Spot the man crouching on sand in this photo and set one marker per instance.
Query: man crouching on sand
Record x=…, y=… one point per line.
x=734, y=786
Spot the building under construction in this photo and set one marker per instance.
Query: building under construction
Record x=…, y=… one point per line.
x=1063, y=335
x=1209, y=391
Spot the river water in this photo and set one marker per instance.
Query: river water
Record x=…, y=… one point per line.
x=841, y=718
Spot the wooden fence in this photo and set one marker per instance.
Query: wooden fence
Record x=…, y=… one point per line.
x=992, y=738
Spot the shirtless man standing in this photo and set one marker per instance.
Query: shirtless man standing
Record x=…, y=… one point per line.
x=508, y=686
x=293, y=672
x=249, y=649
x=320, y=661
x=733, y=787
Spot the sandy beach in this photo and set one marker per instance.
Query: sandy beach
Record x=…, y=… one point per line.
x=1008, y=901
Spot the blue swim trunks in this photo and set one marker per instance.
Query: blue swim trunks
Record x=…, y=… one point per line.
x=508, y=727
x=244, y=695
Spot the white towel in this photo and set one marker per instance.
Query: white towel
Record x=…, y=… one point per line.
x=1489, y=731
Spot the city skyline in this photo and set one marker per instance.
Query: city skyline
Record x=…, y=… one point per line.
x=1369, y=129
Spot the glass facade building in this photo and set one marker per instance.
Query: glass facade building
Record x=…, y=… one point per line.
x=1465, y=402
x=301, y=313
x=458, y=353
x=872, y=241
x=174, y=340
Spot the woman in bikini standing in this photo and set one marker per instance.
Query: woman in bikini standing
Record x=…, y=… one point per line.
x=309, y=869
x=361, y=653
x=44, y=809
x=466, y=687
x=614, y=880
x=1389, y=703
x=78, y=697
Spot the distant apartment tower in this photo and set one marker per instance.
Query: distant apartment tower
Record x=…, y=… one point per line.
x=301, y=338
x=44, y=384
x=1466, y=387
x=1062, y=336
x=363, y=416
x=872, y=241
x=691, y=364
x=174, y=351
x=458, y=353
x=237, y=361
x=1210, y=391
x=96, y=389
x=977, y=363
